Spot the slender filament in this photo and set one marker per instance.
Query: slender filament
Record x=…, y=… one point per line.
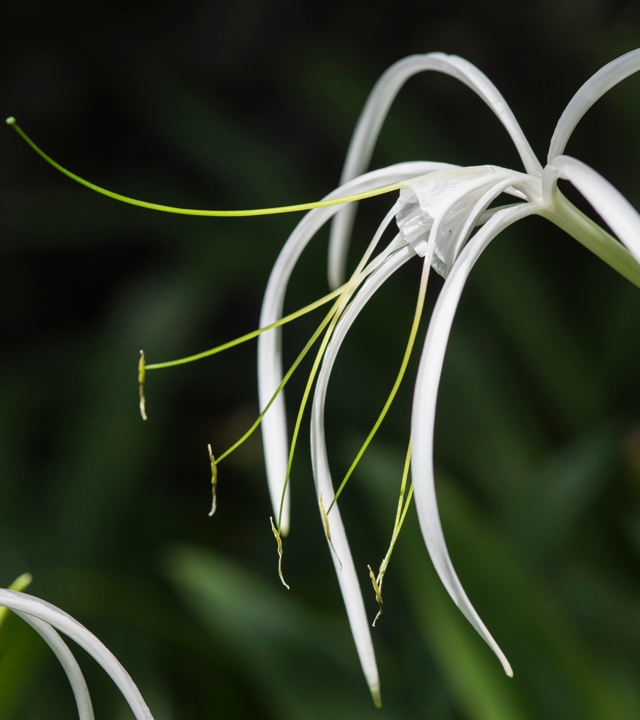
x=204, y=213
x=403, y=367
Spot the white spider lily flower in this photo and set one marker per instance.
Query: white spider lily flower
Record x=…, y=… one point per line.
x=436, y=215
x=46, y=619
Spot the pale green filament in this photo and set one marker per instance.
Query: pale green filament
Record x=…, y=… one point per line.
x=401, y=513
x=205, y=213
x=286, y=378
x=245, y=338
x=18, y=585
x=143, y=367
x=405, y=360
x=347, y=291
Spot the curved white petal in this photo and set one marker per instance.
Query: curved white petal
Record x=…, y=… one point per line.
x=41, y=610
x=347, y=575
x=608, y=202
x=68, y=662
x=274, y=424
x=595, y=87
x=424, y=410
x=371, y=120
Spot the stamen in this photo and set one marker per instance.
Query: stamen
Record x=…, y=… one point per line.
x=378, y=591
x=397, y=526
x=285, y=380
x=347, y=292
x=141, y=374
x=203, y=213
x=277, y=535
x=248, y=336
x=405, y=360
x=327, y=530
x=214, y=481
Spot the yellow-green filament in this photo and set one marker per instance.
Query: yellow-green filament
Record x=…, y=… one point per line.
x=279, y=540
x=214, y=481
x=327, y=530
x=285, y=380
x=244, y=338
x=401, y=513
x=18, y=585
x=347, y=291
x=405, y=360
x=204, y=213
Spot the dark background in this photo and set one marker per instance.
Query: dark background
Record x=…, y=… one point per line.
x=221, y=105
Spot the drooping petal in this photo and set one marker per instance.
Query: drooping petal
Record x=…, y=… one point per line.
x=371, y=120
x=608, y=202
x=68, y=662
x=345, y=568
x=274, y=424
x=44, y=611
x=595, y=87
x=424, y=410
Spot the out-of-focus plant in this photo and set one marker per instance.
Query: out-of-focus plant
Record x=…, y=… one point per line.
x=437, y=213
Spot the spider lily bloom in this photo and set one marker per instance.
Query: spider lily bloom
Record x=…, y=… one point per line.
x=46, y=620
x=438, y=210
x=435, y=215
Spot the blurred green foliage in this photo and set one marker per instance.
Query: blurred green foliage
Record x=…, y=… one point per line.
x=538, y=429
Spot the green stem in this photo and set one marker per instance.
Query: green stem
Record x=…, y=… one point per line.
x=574, y=222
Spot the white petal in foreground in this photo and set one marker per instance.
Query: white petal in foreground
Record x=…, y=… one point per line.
x=274, y=424
x=595, y=87
x=68, y=662
x=608, y=202
x=53, y=616
x=371, y=120
x=424, y=410
x=347, y=575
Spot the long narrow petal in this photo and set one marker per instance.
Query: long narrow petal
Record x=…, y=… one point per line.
x=424, y=410
x=274, y=424
x=347, y=575
x=595, y=87
x=68, y=662
x=608, y=202
x=371, y=120
x=39, y=609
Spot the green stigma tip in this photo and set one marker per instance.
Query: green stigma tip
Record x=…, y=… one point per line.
x=10, y=120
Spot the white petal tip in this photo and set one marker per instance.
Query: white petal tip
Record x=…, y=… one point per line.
x=284, y=529
x=375, y=694
x=507, y=668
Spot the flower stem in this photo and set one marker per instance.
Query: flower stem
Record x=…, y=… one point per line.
x=574, y=222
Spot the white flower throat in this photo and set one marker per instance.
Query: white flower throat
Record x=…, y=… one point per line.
x=444, y=206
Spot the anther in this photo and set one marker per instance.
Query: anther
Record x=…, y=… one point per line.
x=325, y=519
x=277, y=535
x=377, y=586
x=141, y=373
x=214, y=481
